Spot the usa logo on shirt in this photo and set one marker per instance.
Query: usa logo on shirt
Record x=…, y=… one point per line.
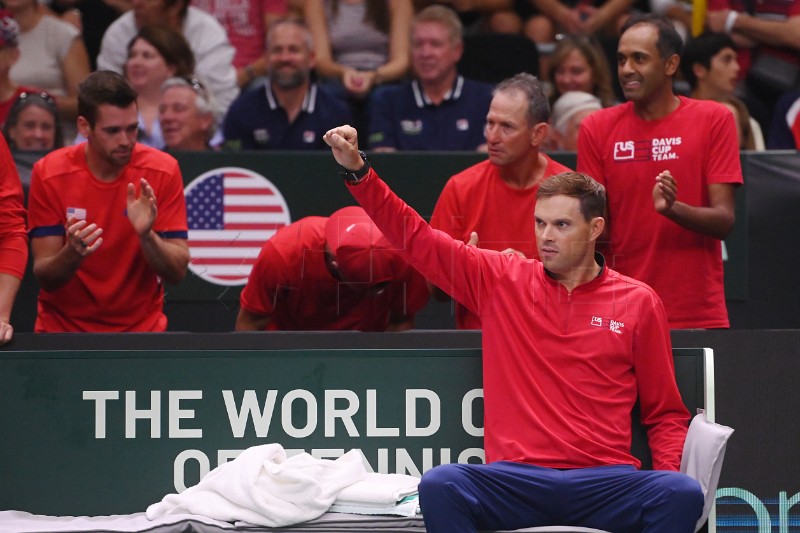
x=231, y=213
x=607, y=323
x=78, y=213
x=462, y=124
x=309, y=136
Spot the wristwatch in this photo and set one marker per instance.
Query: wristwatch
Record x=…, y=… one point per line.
x=357, y=175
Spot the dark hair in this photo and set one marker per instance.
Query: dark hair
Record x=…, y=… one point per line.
x=172, y=46
x=377, y=14
x=528, y=85
x=702, y=49
x=592, y=195
x=184, y=6
x=591, y=51
x=669, y=41
x=25, y=100
x=103, y=87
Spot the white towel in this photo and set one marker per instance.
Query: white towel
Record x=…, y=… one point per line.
x=406, y=507
x=264, y=487
x=378, y=489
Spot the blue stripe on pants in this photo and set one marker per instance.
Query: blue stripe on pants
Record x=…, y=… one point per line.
x=461, y=498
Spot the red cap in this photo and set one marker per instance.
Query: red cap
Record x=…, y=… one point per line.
x=361, y=252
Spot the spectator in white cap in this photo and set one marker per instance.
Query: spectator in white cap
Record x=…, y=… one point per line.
x=568, y=112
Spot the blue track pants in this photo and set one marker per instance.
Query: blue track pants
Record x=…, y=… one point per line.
x=460, y=498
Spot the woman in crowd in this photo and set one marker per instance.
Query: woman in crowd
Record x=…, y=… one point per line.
x=360, y=43
x=578, y=64
x=9, y=54
x=53, y=56
x=32, y=123
x=155, y=54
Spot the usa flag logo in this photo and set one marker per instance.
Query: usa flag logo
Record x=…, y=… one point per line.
x=231, y=213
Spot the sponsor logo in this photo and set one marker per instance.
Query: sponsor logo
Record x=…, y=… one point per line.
x=231, y=213
x=462, y=124
x=309, y=136
x=606, y=323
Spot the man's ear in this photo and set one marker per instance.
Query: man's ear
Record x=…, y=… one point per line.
x=539, y=133
x=597, y=225
x=672, y=64
x=699, y=71
x=83, y=127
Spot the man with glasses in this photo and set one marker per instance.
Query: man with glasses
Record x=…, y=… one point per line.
x=491, y=204
x=335, y=273
x=107, y=221
x=291, y=112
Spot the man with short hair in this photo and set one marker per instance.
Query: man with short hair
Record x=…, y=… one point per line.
x=671, y=167
x=107, y=221
x=491, y=204
x=291, y=112
x=767, y=37
x=186, y=114
x=212, y=51
x=334, y=273
x=709, y=65
x=439, y=109
x=568, y=347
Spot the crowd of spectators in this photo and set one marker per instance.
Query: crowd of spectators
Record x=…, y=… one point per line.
x=363, y=52
x=278, y=74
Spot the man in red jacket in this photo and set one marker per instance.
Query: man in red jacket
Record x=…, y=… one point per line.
x=568, y=347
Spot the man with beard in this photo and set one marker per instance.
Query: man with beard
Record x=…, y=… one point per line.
x=107, y=221
x=290, y=112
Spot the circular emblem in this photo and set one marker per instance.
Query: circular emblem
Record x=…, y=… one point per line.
x=231, y=213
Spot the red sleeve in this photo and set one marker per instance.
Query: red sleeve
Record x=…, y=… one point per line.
x=467, y=273
x=724, y=165
x=44, y=208
x=13, y=237
x=662, y=410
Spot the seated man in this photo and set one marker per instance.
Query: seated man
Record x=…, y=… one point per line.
x=439, y=109
x=292, y=112
x=107, y=221
x=186, y=114
x=568, y=113
x=331, y=273
x=568, y=347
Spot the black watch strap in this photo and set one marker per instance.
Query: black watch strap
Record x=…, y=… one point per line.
x=359, y=174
